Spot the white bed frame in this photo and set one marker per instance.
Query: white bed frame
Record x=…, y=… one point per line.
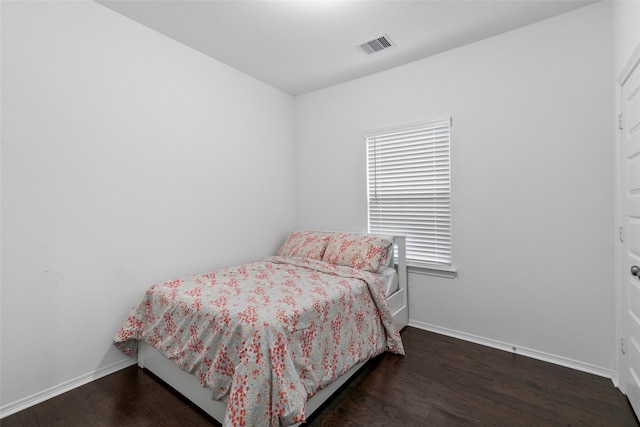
x=189, y=386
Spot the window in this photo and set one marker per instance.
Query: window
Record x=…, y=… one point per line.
x=409, y=189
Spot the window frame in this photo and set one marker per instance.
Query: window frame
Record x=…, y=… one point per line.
x=441, y=269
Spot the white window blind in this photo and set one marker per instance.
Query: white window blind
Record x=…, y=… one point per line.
x=409, y=188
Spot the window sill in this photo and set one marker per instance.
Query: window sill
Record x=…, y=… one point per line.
x=448, y=272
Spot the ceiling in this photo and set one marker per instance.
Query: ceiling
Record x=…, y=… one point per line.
x=300, y=46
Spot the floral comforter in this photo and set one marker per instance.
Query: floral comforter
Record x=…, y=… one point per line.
x=268, y=335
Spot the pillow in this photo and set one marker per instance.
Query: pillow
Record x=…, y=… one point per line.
x=390, y=261
x=305, y=243
x=363, y=252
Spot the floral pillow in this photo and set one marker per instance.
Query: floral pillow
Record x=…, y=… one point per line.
x=363, y=252
x=305, y=243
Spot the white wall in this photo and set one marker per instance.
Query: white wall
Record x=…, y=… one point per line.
x=127, y=159
x=532, y=156
x=626, y=31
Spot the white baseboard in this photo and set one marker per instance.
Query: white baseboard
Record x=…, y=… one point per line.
x=34, y=399
x=19, y=405
x=511, y=348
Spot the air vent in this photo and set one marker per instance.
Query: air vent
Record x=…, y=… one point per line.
x=376, y=45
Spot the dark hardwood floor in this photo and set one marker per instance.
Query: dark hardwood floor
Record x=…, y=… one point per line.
x=440, y=382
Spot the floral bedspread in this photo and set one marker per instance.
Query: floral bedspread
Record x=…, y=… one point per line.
x=268, y=335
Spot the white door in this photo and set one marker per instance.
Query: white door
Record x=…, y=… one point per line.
x=630, y=233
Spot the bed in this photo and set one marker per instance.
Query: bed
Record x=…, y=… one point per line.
x=266, y=343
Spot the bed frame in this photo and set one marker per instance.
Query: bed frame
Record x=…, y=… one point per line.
x=189, y=386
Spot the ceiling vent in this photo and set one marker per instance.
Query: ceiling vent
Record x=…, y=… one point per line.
x=376, y=45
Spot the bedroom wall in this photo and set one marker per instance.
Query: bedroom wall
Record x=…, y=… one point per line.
x=532, y=165
x=127, y=159
x=626, y=32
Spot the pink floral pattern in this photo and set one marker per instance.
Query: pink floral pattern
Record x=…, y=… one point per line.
x=305, y=243
x=267, y=335
x=364, y=252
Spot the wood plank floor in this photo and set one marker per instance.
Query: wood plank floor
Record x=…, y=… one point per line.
x=440, y=382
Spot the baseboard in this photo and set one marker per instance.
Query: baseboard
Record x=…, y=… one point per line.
x=34, y=399
x=19, y=405
x=512, y=348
